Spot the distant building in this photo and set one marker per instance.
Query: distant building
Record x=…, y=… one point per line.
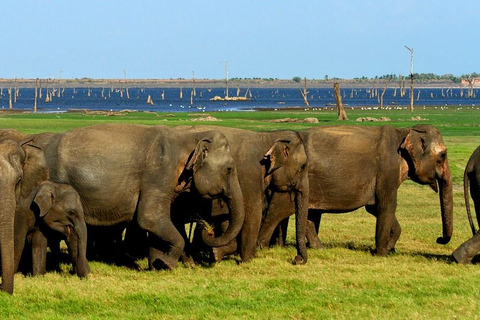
x=474, y=81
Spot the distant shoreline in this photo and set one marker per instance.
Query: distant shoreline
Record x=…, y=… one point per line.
x=219, y=83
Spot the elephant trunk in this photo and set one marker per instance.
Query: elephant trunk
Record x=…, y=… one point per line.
x=466, y=195
x=446, y=204
x=77, y=242
x=7, y=213
x=235, y=204
x=301, y=216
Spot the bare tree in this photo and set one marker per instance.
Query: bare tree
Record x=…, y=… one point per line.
x=411, y=77
x=383, y=92
x=304, y=93
x=342, y=115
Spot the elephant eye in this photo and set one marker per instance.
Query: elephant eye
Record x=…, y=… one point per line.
x=204, y=153
x=228, y=170
x=303, y=166
x=441, y=156
x=423, y=144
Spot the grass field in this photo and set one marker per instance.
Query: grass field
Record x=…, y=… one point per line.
x=342, y=281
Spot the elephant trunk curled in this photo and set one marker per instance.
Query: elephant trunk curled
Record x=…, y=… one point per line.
x=234, y=201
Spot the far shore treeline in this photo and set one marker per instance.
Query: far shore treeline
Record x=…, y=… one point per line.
x=420, y=80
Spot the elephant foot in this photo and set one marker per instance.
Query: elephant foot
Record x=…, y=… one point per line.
x=218, y=254
x=380, y=252
x=299, y=260
x=162, y=262
x=315, y=244
x=188, y=261
x=468, y=250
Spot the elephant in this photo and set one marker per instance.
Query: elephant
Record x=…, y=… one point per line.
x=267, y=163
x=126, y=172
x=22, y=168
x=471, y=179
x=353, y=167
x=51, y=207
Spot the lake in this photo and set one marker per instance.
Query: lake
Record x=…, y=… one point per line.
x=170, y=99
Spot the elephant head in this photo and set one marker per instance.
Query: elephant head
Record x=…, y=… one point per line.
x=214, y=175
x=426, y=155
x=22, y=168
x=59, y=206
x=286, y=170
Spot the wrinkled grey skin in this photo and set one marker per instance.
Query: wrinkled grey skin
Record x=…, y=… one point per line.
x=267, y=163
x=22, y=168
x=471, y=178
x=51, y=207
x=354, y=167
x=122, y=172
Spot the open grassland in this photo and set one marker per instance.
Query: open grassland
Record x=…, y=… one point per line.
x=341, y=281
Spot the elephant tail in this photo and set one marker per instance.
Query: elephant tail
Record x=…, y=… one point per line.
x=466, y=181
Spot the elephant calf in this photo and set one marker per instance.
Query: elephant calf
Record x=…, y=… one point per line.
x=51, y=209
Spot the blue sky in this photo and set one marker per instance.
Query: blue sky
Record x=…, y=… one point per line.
x=262, y=38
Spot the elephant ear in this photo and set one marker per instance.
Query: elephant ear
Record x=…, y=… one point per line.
x=35, y=169
x=413, y=150
x=414, y=145
x=200, y=153
x=276, y=156
x=44, y=199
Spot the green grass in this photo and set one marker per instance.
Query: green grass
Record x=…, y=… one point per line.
x=342, y=281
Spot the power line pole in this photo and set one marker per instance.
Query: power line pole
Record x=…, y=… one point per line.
x=411, y=77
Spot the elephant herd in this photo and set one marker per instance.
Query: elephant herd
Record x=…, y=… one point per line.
x=143, y=183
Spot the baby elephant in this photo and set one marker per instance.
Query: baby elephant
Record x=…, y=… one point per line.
x=51, y=210
x=471, y=178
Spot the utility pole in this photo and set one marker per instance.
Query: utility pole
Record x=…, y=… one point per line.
x=411, y=77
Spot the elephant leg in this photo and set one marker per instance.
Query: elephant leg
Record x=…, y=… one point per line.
x=395, y=230
x=383, y=229
x=165, y=241
x=280, y=207
x=394, y=235
x=313, y=241
x=466, y=251
x=135, y=243
x=19, y=243
x=249, y=233
x=279, y=236
x=269, y=226
x=39, y=253
x=313, y=227
x=186, y=256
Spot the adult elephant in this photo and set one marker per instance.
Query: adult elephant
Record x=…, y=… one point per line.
x=51, y=209
x=124, y=172
x=471, y=180
x=267, y=163
x=354, y=167
x=22, y=168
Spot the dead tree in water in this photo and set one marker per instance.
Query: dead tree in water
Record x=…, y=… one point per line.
x=304, y=93
x=338, y=98
x=36, y=96
x=383, y=92
x=411, y=77
x=126, y=86
x=10, y=105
